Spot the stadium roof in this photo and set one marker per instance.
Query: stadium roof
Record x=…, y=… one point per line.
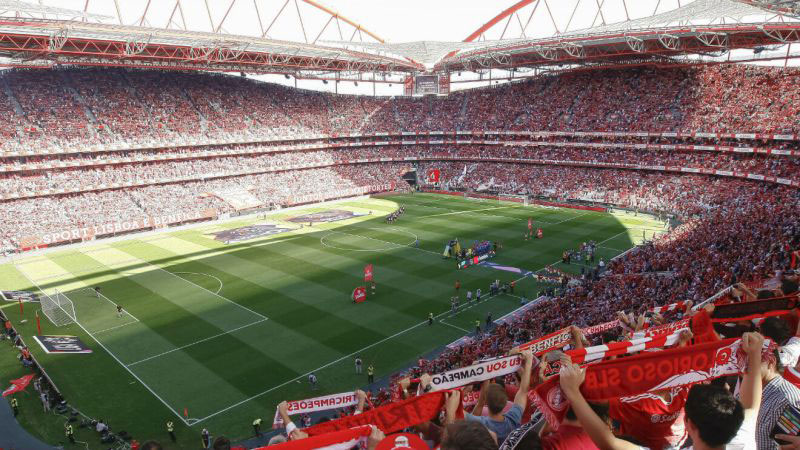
x=211, y=36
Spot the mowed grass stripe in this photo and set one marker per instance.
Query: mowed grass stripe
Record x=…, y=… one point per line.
x=293, y=283
x=322, y=294
x=137, y=339
x=328, y=282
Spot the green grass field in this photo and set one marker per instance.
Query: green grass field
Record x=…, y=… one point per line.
x=226, y=331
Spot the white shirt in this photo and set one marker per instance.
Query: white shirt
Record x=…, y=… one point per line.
x=790, y=352
x=745, y=438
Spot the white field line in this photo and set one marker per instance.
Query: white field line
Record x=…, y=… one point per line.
x=568, y=219
x=125, y=311
x=177, y=414
x=385, y=242
x=465, y=212
x=303, y=376
x=201, y=287
x=116, y=327
x=219, y=289
x=196, y=342
x=612, y=237
x=451, y=325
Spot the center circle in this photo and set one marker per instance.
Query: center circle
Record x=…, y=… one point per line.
x=386, y=245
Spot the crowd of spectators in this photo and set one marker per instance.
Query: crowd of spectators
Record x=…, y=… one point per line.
x=38, y=216
x=732, y=230
x=63, y=107
x=744, y=238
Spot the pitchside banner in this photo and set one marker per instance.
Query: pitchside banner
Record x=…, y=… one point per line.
x=316, y=404
x=475, y=373
x=62, y=344
x=124, y=226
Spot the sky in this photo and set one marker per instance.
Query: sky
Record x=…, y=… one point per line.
x=394, y=21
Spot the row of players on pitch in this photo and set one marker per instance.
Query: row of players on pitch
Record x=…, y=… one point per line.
x=396, y=214
x=495, y=288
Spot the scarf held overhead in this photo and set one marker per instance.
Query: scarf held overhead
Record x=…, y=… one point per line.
x=484, y=370
x=337, y=440
x=316, y=404
x=646, y=372
x=389, y=418
x=552, y=341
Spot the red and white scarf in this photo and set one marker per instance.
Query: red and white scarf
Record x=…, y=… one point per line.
x=589, y=355
x=388, y=418
x=671, y=307
x=596, y=329
x=648, y=372
x=337, y=440
x=316, y=404
x=552, y=341
x=660, y=330
x=484, y=370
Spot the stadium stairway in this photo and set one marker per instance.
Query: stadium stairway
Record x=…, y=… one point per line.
x=12, y=435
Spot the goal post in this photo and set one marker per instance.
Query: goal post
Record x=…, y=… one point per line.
x=58, y=308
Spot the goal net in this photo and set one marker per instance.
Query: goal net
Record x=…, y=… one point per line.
x=58, y=308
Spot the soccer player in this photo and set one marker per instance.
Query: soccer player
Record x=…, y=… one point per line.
x=312, y=379
x=458, y=285
x=477, y=295
x=469, y=296
x=488, y=320
x=430, y=319
x=69, y=433
x=359, y=365
x=205, y=438
x=119, y=310
x=171, y=431
x=97, y=291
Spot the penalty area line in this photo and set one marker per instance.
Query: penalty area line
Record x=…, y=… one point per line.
x=303, y=376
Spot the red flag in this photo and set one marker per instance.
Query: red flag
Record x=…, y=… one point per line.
x=530, y=223
x=20, y=306
x=38, y=324
x=359, y=294
x=186, y=412
x=18, y=385
x=368, y=272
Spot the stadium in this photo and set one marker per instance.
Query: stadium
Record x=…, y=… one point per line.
x=250, y=224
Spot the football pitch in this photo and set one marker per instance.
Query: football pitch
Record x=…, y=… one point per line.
x=223, y=321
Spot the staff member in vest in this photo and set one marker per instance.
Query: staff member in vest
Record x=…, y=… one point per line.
x=15, y=406
x=477, y=327
x=69, y=433
x=257, y=427
x=171, y=431
x=370, y=374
